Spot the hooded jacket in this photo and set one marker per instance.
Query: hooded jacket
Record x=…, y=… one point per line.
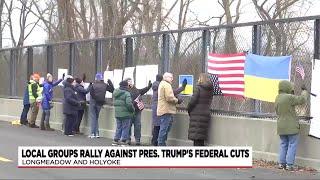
x=47, y=94
x=81, y=93
x=98, y=91
x=199, y=111
x=123, y=104
x=287, y=122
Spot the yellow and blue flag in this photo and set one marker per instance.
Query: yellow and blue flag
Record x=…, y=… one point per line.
x=262, y=75
x=189, y=88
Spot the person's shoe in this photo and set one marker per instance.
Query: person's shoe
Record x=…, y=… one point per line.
x=290, y=168
x=33, y=126
x=91, y=136
x=138, y=144
x=70, y=135
x=124, y=143
x=115, y=143
x=281, y=166
x=97, y=136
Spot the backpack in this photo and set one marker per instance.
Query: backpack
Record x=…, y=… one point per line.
x=98, y=94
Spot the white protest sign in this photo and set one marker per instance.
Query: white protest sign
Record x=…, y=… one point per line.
x=141, y=77
x=117, y=77
x=86, y=85
x=315, y=101
x=60, y=74
x=128, y=73
x=108, y=75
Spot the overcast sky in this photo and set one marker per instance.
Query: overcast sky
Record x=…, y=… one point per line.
x=201, y=8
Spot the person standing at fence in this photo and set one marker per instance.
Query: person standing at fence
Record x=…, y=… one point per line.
x=124, y=112
x=71, y=105
x=26, y=104
x=154, y=104
x=35, y=97
x=138, y=106
x=81, y=94
x=288, y=123
x=166, y=107
x=47, y=103
x=199, y=110
x=98, y=93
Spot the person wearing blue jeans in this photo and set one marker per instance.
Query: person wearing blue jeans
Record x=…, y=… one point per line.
x=166, y=107
x=288, y=123
x=124, y=112
x=288, y=148
x=97, y=98
x=94, y=111
x=122, y=131
x=165, y=126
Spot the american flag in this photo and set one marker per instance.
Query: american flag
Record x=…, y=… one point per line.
x=300, y=70
x=229, y=68
x=215, y=82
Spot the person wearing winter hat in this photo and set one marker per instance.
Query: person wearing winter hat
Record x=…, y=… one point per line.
x=98, y=93
x=70, y=105
x=46, y=103
x=124, y=112
x=35, y=97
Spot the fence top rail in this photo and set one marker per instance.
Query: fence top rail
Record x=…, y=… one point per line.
x=287, y=20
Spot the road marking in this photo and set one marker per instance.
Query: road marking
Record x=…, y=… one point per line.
x=4, y=159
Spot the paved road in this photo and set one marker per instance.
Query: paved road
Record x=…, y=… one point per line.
x=13, y=136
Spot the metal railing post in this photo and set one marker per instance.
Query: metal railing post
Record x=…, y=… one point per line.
x=129, y=53
x=72, y=50
x=205, y=49
x=13, y=73
x=29, y=62
x=165, y=61
x=49, y=59
x=256, y=48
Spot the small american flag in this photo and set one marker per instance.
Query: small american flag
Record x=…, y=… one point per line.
x=215, y=82
x=300, y=70
x=229, y=69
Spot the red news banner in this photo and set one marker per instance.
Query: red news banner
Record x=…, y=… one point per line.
x=134, y=157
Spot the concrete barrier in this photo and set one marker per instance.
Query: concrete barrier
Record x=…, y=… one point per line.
x=224, y=131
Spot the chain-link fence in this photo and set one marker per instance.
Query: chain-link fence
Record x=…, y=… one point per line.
x=178, y=51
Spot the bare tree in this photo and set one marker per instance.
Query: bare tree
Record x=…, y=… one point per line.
x=230, y=45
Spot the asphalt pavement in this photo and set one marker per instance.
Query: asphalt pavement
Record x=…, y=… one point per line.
x=11, y=137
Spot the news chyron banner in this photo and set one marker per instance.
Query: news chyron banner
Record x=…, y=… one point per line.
x=134, y=157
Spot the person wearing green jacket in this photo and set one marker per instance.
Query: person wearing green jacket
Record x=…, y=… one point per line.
x=288, y=122
x=124, y=112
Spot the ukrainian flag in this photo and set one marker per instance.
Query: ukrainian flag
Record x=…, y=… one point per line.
x=262, y=75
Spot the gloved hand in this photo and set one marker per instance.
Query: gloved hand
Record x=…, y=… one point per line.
x=180, y=100
x=184, y=83
x=90, y=84
x=63, y=75
x=303, y=87
x=109, y=81
x=149, y=84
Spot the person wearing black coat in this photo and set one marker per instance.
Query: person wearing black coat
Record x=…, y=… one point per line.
x=71, y=105
x=136, y=120
x=199, y=110
x=81, y=95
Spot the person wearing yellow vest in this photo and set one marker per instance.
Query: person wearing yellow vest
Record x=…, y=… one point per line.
x=35, y=97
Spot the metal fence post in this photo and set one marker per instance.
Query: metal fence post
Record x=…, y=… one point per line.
x=165, y=66
x=316, y=39
x=29, y=62
x=49, y=59
x=205, y=49
x=72, y=51
x=129, y=53
x=13, y=74
x=98, y=56
x=256, y=48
